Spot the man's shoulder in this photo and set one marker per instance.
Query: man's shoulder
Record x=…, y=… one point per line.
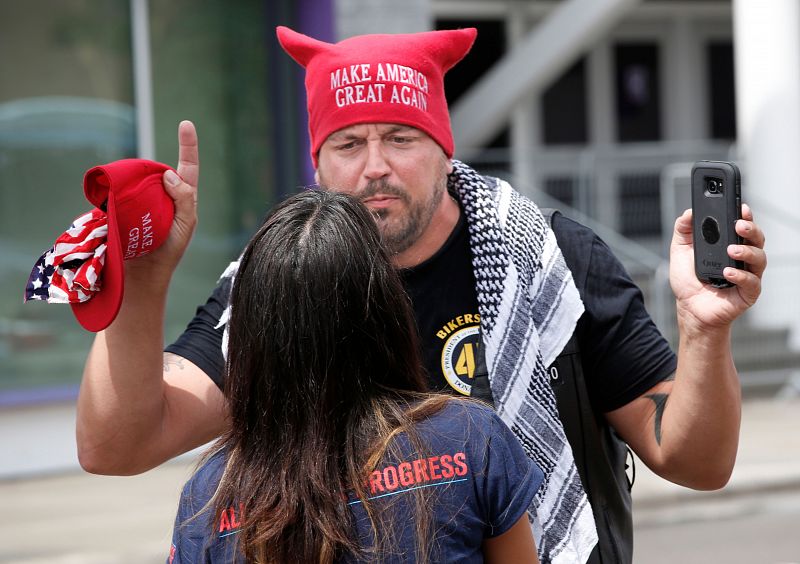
x=571, y=234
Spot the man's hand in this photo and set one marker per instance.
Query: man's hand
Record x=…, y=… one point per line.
x=182, y=188
x=701, y=306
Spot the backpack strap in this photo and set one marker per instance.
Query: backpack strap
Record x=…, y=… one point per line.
x=480, y=381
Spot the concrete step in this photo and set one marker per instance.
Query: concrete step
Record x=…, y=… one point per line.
x=755, y=349
x=759, y=349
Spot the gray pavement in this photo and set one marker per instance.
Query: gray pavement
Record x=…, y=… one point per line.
x=768, y=459
x=75, y=518
x=755, y=519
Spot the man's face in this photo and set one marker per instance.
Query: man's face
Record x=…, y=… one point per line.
x=397, y=171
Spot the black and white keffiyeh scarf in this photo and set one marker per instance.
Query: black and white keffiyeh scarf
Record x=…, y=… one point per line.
x=529, y=307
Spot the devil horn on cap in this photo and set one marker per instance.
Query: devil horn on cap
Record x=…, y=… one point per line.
x=460, y=42
x=301, y=48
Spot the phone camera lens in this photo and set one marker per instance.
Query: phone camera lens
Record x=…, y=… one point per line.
x=714, y=186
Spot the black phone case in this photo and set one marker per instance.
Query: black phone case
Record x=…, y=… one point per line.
x=715, y=209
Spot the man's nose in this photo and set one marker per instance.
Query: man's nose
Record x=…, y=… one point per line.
x=377, y=166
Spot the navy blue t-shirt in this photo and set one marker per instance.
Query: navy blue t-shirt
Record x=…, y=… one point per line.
x=479, y=480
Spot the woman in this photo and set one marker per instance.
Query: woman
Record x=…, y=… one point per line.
x=335, y=453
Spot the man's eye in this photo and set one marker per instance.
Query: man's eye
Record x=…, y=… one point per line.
x=401, y=140
x=347, y=146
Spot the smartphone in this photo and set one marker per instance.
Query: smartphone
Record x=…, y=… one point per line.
x=716, y=205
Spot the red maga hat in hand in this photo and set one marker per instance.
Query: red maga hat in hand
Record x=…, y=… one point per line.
x=140, y=215
x=132, y=217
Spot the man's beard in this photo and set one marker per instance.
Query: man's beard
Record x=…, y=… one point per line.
x=399, y=231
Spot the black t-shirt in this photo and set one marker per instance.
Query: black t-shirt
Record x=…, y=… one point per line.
x=202, y=341
x=622, y=351
x=442, y=291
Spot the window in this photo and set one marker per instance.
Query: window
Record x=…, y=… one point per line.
x=562, y=188
x=640, y=205
x=638, y=96
x=489, y=47
x=70, y=106
x=564, y=108
x=721, y=91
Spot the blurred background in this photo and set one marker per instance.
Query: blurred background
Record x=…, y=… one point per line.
x=596, y=107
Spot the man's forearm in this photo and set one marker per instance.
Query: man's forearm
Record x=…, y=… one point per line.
x=696, y=424
x=687, y=429
x=121, y=400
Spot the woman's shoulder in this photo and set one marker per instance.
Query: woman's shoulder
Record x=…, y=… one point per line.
x=203, y=483
x=463, y=420
x=466, y=407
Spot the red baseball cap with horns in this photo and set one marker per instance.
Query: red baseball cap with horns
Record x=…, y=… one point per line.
x=381, y=78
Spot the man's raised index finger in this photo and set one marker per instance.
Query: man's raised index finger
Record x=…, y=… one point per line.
x=188, y=156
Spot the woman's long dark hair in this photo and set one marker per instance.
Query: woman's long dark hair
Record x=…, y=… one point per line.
x=323, y=370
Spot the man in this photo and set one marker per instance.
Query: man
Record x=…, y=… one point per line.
x=487, y=278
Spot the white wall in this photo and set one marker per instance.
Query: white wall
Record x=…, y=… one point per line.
x=767, y=51
x=354, y=17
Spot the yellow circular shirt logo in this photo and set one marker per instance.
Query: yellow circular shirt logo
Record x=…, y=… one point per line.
x=459, y=357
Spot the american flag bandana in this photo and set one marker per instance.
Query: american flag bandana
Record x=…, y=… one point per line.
x=68, y=273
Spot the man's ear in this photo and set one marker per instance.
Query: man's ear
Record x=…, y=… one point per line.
x=316, y=177
x=449, y=165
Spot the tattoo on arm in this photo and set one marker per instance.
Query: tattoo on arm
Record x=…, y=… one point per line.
x=171, y=361
x=661, y=402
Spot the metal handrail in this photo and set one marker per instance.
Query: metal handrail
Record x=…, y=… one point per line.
x=594, y=172
x=647, y=264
